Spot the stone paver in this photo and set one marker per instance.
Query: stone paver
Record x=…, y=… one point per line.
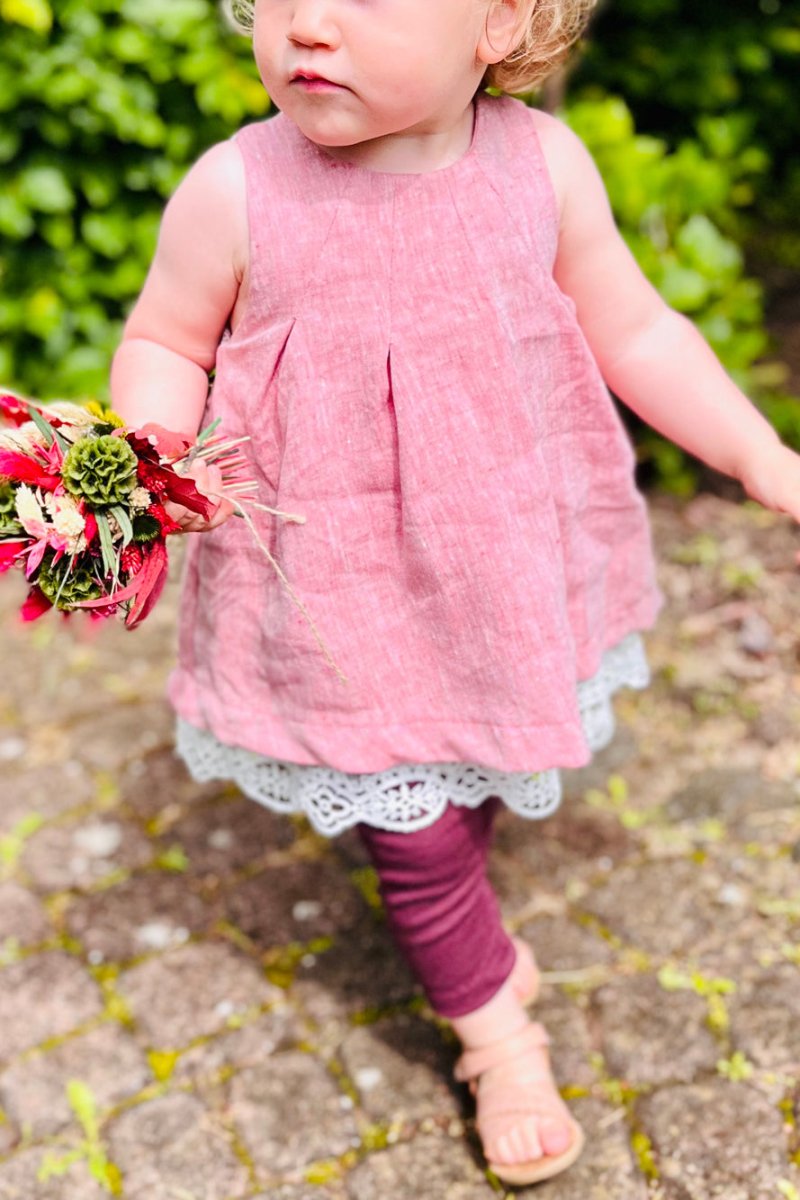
x=294, y=903
x=42, y=791
x=765, y=1016
x=277, y=1029
x=717, y=1140
x=192, y=991
x=428, y=1166
x=20, y=1178
x=118, y=923
x=42, y=997
x=222, y=838
x=78, y=853
x=33, y=1091
x=22, y=916
x=172, y=1147
x=217, y=978
x=606, y=1170
x=400, y=1069
x=290, y=1112
x=650, y=1036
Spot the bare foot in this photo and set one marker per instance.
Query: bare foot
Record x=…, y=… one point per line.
x=520, y=1114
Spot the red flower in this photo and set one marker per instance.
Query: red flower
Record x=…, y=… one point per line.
x=35, y=606
x=165, y=522
x=14, y=409
x=9, y=552
x=21, y=468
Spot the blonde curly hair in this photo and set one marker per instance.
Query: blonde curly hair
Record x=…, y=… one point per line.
x=547, y=31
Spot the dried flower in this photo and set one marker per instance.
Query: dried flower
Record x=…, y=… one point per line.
x=75, y=582
x=102, y=471
x=140, y=499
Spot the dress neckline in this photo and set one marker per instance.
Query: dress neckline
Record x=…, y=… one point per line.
x=355, y=169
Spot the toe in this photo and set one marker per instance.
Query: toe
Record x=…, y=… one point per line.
x=502, y=1150
x=528, y=1139
x=555, y=1135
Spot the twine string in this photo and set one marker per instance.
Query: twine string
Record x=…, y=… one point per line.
x=239, y=507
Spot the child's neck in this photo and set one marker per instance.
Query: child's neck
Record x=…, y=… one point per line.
x=412, y=152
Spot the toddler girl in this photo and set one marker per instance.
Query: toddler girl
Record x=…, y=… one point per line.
x=414, y=294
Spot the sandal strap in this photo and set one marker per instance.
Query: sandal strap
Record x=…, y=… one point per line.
x=474, y=1062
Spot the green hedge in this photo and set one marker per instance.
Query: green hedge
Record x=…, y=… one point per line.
x=726, y=72
x=105, y=103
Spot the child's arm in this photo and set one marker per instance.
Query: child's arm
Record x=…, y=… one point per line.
x=652, y=357
x=169, y=343
x=160, y=369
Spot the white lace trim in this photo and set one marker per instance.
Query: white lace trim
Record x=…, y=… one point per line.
x=409, y=796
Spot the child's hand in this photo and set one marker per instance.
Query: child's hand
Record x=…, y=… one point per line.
x=773, y=478
x=209, y=481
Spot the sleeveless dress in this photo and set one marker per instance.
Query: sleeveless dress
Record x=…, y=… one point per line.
x=475, y=553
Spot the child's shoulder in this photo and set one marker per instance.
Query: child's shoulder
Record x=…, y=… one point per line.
x=212, y=195
x=567, y=160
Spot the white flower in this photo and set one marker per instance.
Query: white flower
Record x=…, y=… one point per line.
x=140, y=499
x=29, y=511
x=76, y=414
x=68, y=521
x=23, y=439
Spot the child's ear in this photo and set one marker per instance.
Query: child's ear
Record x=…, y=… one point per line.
x=501, y=32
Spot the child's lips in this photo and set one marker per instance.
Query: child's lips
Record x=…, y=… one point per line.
x=316, y=83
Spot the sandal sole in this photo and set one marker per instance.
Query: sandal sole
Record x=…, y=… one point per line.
x=541, y=1168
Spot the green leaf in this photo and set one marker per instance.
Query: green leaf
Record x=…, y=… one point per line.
x=43, y=425
x=83, y=1104
x=33, y=14
x=110, y=560
x=124, y=522
x=46, y=189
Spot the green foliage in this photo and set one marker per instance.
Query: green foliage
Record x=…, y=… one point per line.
x=672, y=208
x=726, y=72
x=103, y=106
x=90, y=1149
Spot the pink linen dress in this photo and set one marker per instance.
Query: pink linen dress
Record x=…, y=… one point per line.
x=475, y=552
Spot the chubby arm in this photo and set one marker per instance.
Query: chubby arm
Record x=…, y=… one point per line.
x=160, y=369
x=652, y=357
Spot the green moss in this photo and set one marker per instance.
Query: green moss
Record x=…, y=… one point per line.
x=321, y=1173
x=374, y=1137
x=367, y=882
x=162, y=1063
x=643, y=1153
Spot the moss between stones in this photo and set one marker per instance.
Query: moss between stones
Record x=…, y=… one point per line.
x=642, y=1149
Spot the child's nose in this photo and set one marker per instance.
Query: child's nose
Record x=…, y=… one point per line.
x=312, y=24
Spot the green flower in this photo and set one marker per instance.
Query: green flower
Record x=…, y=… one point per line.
x=78, y=582
x=100, y=470
x=145, y=528
x=8, y=510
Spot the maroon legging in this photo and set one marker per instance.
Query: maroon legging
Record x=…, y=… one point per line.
x=440, y=906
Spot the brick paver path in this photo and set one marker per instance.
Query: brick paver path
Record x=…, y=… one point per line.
x=199, y=1000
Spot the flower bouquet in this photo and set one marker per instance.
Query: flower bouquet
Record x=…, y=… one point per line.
x=82, y=504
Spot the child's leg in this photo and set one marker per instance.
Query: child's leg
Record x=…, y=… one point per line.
x=445, y=919
x=441, y=909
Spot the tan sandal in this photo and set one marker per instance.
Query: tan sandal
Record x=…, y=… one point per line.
x=499, y=1100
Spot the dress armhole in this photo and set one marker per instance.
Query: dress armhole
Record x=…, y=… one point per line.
x=252, y=264
x=548, y=190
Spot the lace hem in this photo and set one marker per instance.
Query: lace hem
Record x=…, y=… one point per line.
x=409, y=796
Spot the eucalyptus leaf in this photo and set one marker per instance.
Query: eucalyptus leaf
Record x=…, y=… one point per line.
x=110, y=557
x=124, y=522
